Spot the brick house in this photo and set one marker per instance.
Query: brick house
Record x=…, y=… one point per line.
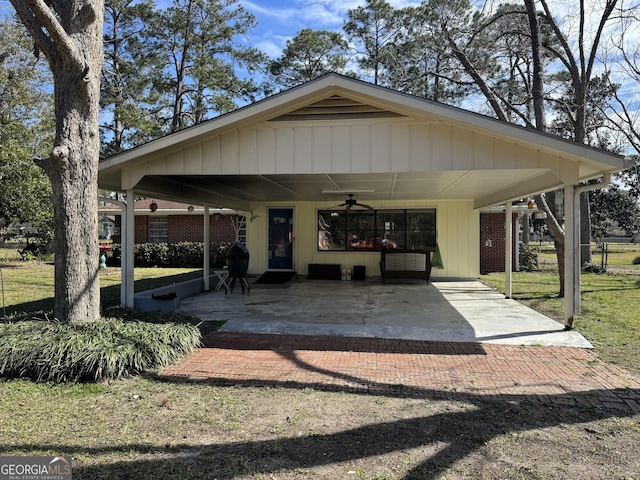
x=159, y=221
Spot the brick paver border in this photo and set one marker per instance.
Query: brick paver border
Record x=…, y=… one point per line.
x=550, y=375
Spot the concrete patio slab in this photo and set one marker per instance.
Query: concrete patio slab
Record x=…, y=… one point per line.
x=445, y=311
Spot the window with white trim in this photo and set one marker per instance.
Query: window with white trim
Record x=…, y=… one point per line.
x=158, y=229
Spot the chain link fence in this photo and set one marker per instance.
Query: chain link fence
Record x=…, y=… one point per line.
x=612, y=256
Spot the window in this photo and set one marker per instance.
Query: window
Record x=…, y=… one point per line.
x=372, y=230
x=158, y=229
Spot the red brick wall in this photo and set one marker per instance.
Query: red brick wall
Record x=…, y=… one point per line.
x=189, y=228
x=141, y=234
x=184, y=228
x=492, y=242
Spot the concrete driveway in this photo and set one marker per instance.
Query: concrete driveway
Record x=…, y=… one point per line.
x=445, y=311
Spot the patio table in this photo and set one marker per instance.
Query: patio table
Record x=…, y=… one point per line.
x=223, y=277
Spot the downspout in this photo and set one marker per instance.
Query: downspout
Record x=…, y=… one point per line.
x=123, y=249
x=508, y=247
x=207, y=248
x=577, y=267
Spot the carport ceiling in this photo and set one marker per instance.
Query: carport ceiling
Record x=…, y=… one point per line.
x=446, y=185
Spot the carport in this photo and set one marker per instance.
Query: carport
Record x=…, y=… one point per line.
x=304, y=150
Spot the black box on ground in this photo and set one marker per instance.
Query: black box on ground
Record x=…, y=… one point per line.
x=324, y=271
x=359, y=272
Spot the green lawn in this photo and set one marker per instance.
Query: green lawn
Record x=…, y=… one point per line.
x=610, y=317
x=148, y=429
x=28, y=286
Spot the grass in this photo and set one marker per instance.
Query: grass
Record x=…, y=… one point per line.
x=610, y=319
x=144, y=428
x=32, y=345
x=29, y=286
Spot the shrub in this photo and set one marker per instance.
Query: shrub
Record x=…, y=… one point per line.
x=590, y=267
x=180, y=254
x=529, y=258
x=110, y=348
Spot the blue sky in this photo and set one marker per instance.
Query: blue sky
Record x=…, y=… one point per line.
x=280, y=20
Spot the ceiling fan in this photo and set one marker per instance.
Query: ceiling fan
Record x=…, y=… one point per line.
x=351, y=202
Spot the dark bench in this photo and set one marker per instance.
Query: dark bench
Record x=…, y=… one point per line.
x=405, y=264
x=324, y=271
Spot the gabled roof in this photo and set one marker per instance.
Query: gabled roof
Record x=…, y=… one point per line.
x=338, y=133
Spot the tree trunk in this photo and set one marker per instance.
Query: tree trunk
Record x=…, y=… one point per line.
x=74, y=180
x=559, y=245
x=71, y=39
x=73, y=170
x=547, y=203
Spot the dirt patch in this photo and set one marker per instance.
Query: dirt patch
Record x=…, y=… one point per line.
x=146, y=429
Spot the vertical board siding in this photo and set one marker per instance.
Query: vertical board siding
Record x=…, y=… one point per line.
x=303, y=150
x=483, y=152
x=175, y=163
x=400, y=147
x=420, y=158
x=526, y=157
x=193, y=158
x=211, y=152
x=375, y=147
x=360, y=149
x=266, y=150
x=322, y=152
x=380, y=149
x=462, y=149
x=441, y=147
x=229, y=153
x=284, y=151
x=505, y=155
x=247, y=152
x=341, y=149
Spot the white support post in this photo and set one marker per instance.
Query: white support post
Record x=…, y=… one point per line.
x=124, y=255
x=128, y=257
x=577, y=256
x=207, y=247
x=508, y=247
x=577, y=246
x=569, y=255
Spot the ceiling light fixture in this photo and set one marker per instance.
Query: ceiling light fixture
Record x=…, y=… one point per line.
x=347, y=191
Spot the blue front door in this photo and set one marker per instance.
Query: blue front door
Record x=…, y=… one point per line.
x=280, y=239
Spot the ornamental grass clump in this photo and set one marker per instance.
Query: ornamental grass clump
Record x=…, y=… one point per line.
x=107, y=349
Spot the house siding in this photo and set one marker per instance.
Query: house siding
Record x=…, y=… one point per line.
x=458, y=230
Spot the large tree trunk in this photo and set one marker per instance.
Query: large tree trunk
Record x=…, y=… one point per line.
x=548, y=204
x=73, y=170
x=70, y=36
